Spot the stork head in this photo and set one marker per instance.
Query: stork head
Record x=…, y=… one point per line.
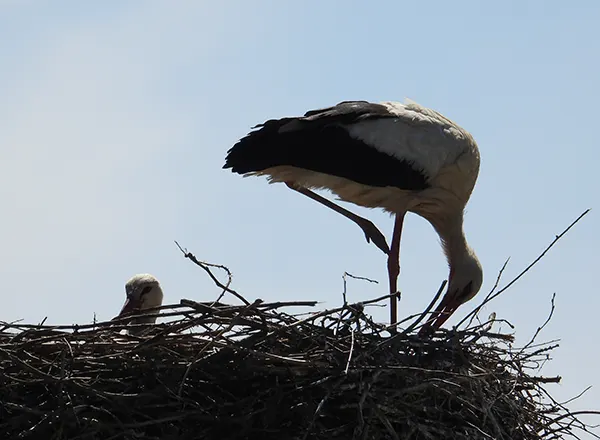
x=143, y=292
x=466, y=278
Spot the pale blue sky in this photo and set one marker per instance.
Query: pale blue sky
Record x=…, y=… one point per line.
x=116, y=117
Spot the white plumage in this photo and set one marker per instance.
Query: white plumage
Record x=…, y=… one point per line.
x=398, y=157
x=143, y=292
x=415, y=135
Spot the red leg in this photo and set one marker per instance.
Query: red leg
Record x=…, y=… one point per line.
x=370, y=230
x=394, y=267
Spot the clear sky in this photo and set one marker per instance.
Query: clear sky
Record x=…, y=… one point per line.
x=115, y=118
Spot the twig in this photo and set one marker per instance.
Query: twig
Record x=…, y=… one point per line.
x=540, y=328
x=427, y=310
x=344, y=291
x=533, y=263
x=577, y=396
x=350, y=353
x=205, y=266
x=474, y=313
x=359, y=278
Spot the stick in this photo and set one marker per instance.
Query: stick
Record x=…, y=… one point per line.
x=205, y=267
x=491, y=297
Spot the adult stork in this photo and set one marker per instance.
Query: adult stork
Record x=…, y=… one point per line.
x=398, y=157
x=143, y=292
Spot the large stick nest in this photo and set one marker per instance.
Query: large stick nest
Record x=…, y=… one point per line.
x=257, y=371
x=222, y=372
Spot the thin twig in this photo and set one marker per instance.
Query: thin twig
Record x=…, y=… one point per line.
x=524, y=271
x=540, y=328
x=205, y=266
x=350, y=353
x=412, y=326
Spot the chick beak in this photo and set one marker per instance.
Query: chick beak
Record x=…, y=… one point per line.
x=129, y=306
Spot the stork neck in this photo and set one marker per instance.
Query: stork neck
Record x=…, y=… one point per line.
x=453, y=239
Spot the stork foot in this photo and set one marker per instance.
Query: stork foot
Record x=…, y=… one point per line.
x=372, y=234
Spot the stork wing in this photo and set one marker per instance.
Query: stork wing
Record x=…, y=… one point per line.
x=411, y=133
x=354, y=140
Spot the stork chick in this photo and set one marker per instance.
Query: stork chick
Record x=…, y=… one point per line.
x=143, y=292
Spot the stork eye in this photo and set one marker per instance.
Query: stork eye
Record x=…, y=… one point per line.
x=146, y=290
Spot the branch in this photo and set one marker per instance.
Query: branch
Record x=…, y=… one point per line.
x=205, y=266
x=491, y=297
x=427, y=310
x=540, y=328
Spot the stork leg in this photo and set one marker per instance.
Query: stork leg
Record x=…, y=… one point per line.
x=394, y=267
x=370, y=230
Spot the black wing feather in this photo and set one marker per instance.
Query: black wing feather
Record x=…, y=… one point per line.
x=318, y=142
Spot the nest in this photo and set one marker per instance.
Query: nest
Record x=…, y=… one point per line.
x=259, y=371
x=219, y=371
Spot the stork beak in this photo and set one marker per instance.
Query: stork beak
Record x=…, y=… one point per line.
x=444, y=311
x=129, y=306
x=446, y=308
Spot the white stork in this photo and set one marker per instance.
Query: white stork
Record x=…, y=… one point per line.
x=399, y=157
x=143, y=292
